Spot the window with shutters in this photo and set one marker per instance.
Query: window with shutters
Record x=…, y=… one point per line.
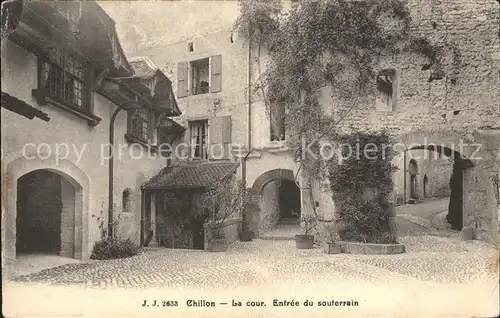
x=198, y=131
x=62, y=76
x=386, y=89
x=200, y=76
x=139, y=124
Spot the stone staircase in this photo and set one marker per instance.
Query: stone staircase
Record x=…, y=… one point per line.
x=286, y=229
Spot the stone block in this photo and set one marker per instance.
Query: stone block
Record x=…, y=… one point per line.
x=331, y=248
x=467, y=234
x=371, y=248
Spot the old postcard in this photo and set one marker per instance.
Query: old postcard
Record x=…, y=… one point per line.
x=250, y=158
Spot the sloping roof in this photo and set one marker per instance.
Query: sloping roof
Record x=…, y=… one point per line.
x=143, y=67
x=190, y=176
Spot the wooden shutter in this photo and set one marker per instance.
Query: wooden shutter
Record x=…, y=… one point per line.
x=220, y=134
x=151, y=127
x=216, y=74
x=182, y=79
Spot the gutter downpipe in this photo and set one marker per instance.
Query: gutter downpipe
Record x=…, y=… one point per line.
x=404, y=173
x=111, y=169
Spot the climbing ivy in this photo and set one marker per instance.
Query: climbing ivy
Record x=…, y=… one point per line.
x=328, y=43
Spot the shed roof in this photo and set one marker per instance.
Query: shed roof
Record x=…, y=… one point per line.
x=191, y=176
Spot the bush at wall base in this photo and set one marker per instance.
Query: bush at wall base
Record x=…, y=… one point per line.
x=112, y=248
x=304, y=241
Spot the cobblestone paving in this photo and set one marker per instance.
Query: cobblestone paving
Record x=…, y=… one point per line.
x=428, y=258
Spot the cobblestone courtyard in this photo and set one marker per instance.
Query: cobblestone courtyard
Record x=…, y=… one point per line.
x=428, y=258
x=438, y=275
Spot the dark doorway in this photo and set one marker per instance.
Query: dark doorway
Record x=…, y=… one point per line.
x=413, y=169
x=289, y=199
x=426, y=185
x=39, y=208
x=147, y=233
x=198, y=231
x=413, y=186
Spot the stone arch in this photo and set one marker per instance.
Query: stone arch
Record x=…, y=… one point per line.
x=413, y=166
x=444, y=142
x=266, y=177
x=471, y=160
x=263, y=215
x=72, y=174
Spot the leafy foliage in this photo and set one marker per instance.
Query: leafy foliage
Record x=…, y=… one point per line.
x=362, y=188
x=111, y=248
x=224, y=199
x=335, y=46
x=259, y=19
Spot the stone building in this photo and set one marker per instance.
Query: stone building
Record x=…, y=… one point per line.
x=456, y=115
x=68, y=95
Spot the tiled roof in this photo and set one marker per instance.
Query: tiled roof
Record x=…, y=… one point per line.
x=143, y=67
x=190, y=176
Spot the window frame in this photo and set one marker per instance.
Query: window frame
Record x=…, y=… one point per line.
x=139, y=131
x=204, y=144
x=389, y=98
x=48, y=67
x=193, y=88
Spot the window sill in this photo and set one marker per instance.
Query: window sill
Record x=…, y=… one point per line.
x=43, y=99
x=134, y=140
x=201, y=96
x=276, y=146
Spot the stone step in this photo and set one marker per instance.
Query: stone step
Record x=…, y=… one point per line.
x=276, y=238
x=288, y=221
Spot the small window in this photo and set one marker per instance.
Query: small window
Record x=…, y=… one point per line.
x=199, y=139
x=139, y=124
x=127, y=200
x=200, y=76
x=62, y=76
x=190, y=47
x=277, y=118
x=385, y=90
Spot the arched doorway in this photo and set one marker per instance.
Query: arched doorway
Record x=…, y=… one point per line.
x=413, y=170
x=45, y=221
x=277, y=198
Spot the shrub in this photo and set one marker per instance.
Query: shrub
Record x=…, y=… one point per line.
x=111, y=248
x=362, y=189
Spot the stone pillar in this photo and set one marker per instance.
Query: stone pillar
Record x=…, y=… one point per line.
x=306, y=208
x=153, y=242
x=67, y=219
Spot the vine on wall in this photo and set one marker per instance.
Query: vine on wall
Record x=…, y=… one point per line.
x=331, y=44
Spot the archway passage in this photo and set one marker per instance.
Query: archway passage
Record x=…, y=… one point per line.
x=276, y=201
x=441, y=156
x=45, y=214
x=413, y=169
